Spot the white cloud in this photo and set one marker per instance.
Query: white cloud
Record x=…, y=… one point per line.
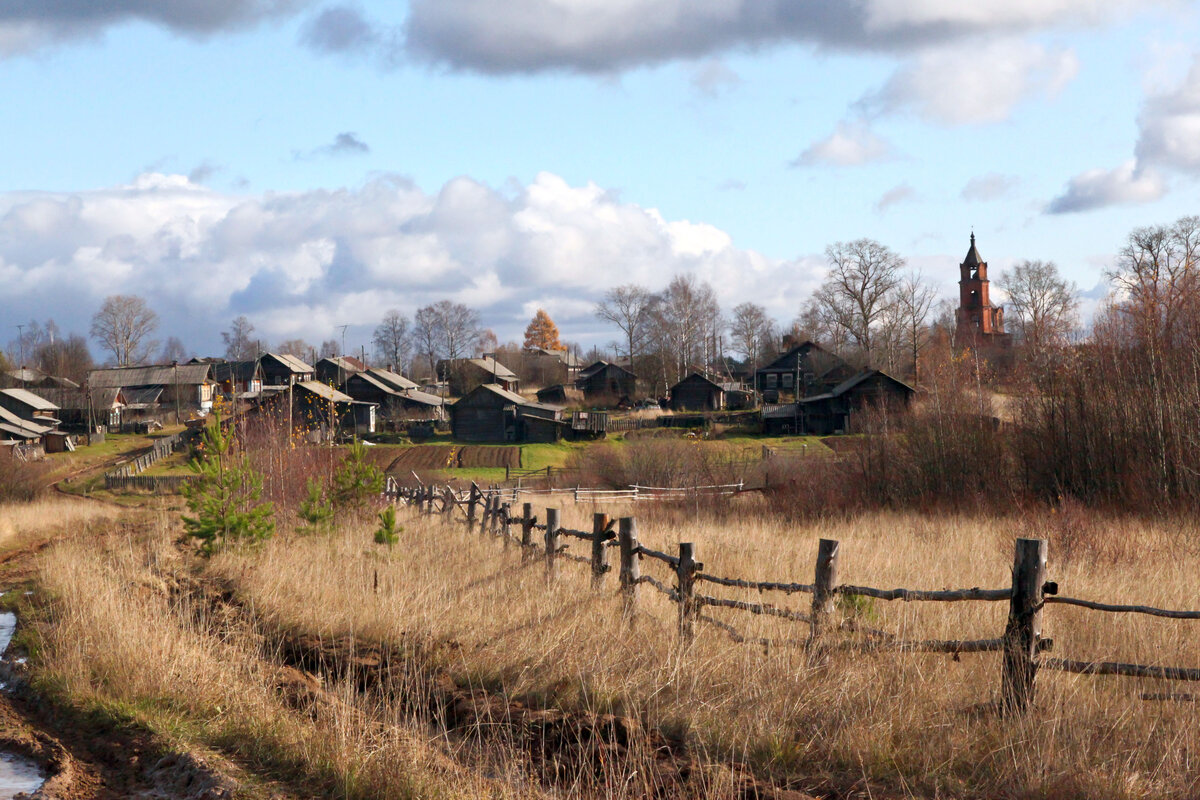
x=1098, y=188
x=851, y=144
x=298, y=264
x=974, y=84
x=991, y=186
x=1170, y=126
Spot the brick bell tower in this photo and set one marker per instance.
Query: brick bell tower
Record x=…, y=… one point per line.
x=977, y=317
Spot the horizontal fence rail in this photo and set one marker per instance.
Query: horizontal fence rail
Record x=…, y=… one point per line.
x=127, y=476
x=1022, y=645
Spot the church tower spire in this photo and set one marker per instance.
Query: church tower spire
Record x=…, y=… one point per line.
x=976, y=314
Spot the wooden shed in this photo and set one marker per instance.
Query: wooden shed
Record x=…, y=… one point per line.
x=834, y=412
x=697, y=393
x=605, y=380
x=490, y=413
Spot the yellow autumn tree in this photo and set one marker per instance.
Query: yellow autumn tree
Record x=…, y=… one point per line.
x=542, y=332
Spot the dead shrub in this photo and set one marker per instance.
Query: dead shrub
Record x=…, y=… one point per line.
x=22, y=481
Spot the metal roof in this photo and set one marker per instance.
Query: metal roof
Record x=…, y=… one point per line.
x=424, y=398
x=30, y=399
x=973, y=258
x=160, y=375
x=22, y=427
x=291, y=362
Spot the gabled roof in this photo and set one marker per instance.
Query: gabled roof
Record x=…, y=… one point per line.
x=325, y=391
x=141, y=395
x=17, y=426
x=76, y=399
x=291, y=362
x=973, y=258
x=344, y=363
x=598, y=367
x=160, y=375
x=850, y=383
x=564, y=355
x=30, y=399
x=373, y=381
x=422, y=397
x=26, y=374
x=488, y=365
x=495, y=388
x=393, y=379
x=238, y=371
x=697, y=377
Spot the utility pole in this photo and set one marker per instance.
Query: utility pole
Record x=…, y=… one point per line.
x=21, y=347
x=342, y=377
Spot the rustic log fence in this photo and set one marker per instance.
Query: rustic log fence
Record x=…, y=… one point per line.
x=1021, y=643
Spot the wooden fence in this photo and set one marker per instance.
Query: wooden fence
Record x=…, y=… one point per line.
x=1021, y=643
x=127, y=476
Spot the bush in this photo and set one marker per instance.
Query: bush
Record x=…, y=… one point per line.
x=21, y=481
x=356, y=479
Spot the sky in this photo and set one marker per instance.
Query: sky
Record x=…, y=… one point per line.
x=312, y=165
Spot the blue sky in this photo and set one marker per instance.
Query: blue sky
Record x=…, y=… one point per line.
x=312, y=165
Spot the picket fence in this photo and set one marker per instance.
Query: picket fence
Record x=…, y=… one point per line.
x=127, y=476
x=1021, y=644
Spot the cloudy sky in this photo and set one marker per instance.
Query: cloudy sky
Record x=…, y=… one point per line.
x=312, y=165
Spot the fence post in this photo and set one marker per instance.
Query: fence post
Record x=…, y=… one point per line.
x=686, y=574
x=496, y=507
x=526, y=531
x=824, y=579
x=471, y=506
x=505, y=521
x=551, y=544
x=599, y=548
x=630, y=569
x=1024, y=627
x=448, y=502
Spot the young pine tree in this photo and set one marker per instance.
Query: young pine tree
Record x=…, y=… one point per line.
x=225, y=496
x=356, y=479
x=316, y=508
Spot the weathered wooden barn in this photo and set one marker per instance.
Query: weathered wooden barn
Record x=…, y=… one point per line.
x=81, y=408
x=697, y=393
x=29, y=406
x=463, y=375
x=320, y=408
x=336, y=370
x=605, y=380
x=162, y=388
x=834, y=412
x=490, y=413
x=238, y=378
x=383, y=388
x=30, y=378
x=812, y=367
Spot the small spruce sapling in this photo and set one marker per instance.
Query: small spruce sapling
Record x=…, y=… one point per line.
x=387, y=532
x=225, y=497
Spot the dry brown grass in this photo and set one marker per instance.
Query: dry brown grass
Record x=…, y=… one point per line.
x=23, y=523
x=919, y=724
x=121, y=636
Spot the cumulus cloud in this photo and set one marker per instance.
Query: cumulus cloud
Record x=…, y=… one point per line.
x=1170, y=126
x=28, y=24
x=851, y=144
x=1098, y=188
x=991, y=186
x=903, y=193
x=346, y=143
x=974, y=84
x=298, y=264
x=609, y=35
x=714, y=76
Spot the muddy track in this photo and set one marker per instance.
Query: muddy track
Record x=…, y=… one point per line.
x=580, y=751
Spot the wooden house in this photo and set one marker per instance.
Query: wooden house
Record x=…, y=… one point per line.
x=29, y=406
x=238, y=378
x=813, y=368
x=282, y=370
x=697, y=393
x=605, y=380
x=162, y=388
x=319, y=407
x=336, y=370
x=491, y=413
x=81, y=408
x=834, y=412
x=30, y=378
x=392, y=393
x=463, y=375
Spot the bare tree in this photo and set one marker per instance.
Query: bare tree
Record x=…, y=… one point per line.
x=859, y=290
x=391, y=340
x=173, y=351
x=628, y=307
x=914, y=300
x=427, y=334
x=329, y=349
x=239, y=344
x=1042, y=303
x=688, y=318
x=1157, y=272
x=751, y=332
x=123, y=326
x=295, y=347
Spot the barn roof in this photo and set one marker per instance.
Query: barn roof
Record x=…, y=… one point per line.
x=600, y=366
x=76, y=399
x=423, y=398
x=30, y=399
x=696, y=377
x=344, y=363
x=21, y=427
x=141, y=395
x=850, y=383
x=291, y=362
x=487, y=364
x=160, y=375
x=325, y=391
x=393, y=379
x=236, y=370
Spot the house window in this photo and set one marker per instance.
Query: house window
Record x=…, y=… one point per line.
x=772, y=380
x=787, y=380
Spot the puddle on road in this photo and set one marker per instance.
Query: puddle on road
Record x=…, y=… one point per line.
x=18, y=774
